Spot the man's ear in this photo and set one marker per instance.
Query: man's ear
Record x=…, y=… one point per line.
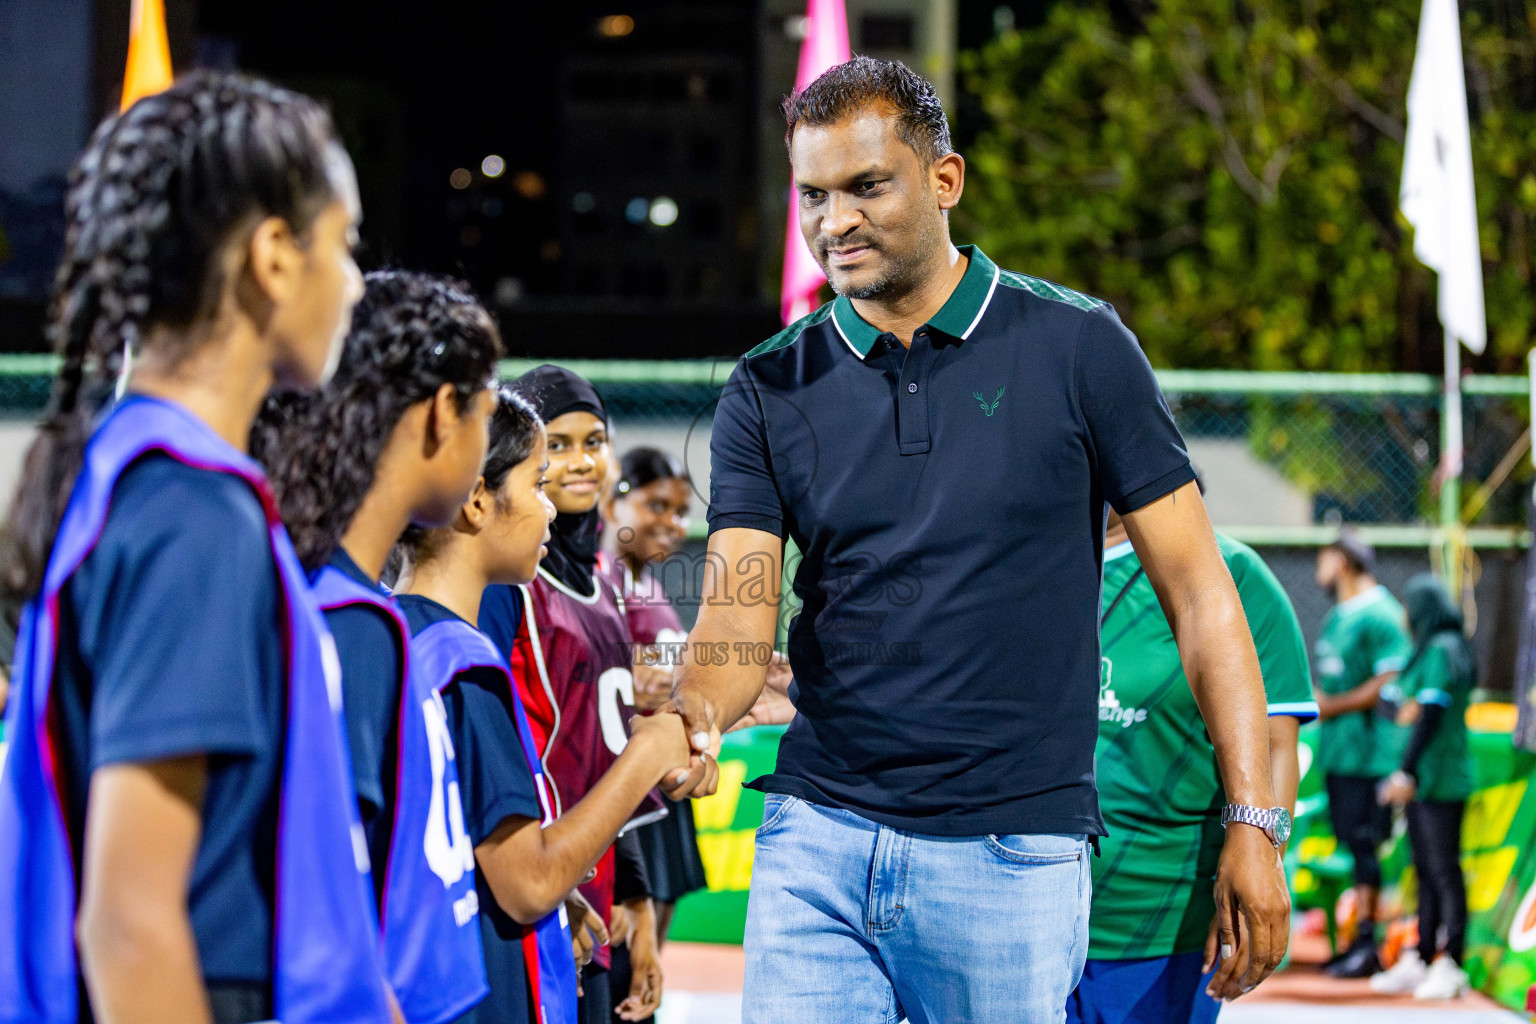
x=948, y=179
x=476, y=512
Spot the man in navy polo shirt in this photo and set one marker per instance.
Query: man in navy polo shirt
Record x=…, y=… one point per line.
x=941, y=442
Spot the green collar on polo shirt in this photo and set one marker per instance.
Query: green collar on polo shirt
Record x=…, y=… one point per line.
x=957, y=318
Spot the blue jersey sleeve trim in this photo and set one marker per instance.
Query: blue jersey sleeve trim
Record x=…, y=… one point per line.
x=1432, y=695
x=1306, y=710
x=1394, y=663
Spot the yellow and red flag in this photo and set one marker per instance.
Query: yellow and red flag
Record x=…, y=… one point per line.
x=149, y=52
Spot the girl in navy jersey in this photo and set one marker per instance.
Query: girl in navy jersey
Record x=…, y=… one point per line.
x=526, y=860
x=645, y=517
x=396, y=439
x=571, y=654
x=176, y=793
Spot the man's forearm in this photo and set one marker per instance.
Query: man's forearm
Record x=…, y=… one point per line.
x=1224, y=676
x=1361, y=698
x=717, y=670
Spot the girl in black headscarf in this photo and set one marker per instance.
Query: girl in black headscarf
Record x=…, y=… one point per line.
x=1434, y=780
x=571, y=652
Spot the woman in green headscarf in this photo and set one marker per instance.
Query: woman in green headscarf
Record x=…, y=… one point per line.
x=1434, y=781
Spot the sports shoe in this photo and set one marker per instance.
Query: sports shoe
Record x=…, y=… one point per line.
x=1444, y=980
x=1402, y=977
x=1361, y=962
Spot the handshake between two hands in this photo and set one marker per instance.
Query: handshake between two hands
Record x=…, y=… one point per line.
x=687, y=731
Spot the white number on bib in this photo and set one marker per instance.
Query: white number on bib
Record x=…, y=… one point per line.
x=613, y=686
x=449, y=852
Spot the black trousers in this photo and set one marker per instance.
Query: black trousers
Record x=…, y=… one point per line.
x=1360, y=822
x=1434, y=829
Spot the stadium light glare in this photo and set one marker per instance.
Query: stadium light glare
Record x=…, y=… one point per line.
x=493, y=166
x=460, y=178
x=615, y=25
x=663, y=212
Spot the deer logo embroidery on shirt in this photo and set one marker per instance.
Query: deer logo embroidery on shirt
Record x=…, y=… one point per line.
x=996, y=399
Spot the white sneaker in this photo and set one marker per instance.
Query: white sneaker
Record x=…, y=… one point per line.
x=1443, y=981
x=1402, y=977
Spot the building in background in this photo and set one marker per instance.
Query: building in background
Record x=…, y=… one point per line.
x=609, y=174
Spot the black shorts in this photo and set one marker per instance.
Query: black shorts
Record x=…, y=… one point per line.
x=671, y=853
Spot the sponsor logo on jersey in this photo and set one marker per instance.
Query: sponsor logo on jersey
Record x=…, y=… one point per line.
x=1329, y=663
x=1110, y=709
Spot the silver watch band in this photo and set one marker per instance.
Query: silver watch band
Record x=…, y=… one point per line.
x=1259, y=817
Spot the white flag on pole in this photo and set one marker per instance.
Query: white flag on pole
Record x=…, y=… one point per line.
x=1437, y=196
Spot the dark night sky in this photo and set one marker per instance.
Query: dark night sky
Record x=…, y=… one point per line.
x=420, y=89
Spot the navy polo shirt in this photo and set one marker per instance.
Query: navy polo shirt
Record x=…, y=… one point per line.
x=948, y=502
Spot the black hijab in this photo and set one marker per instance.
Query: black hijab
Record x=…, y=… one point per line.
x=1435, y=620
x=573, y=541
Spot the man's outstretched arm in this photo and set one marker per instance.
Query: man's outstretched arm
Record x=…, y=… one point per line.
x=717, y=684
x=1174, y=540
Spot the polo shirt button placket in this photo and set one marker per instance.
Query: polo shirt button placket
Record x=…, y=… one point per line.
x=913, y=437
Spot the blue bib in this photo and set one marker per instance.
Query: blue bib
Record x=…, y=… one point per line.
x=325, y=961
x=439, y=653
x=431, y=940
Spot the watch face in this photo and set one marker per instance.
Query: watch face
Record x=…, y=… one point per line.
x=1282, y=825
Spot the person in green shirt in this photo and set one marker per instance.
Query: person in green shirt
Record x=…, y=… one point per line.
x=1361, y=649
x=1434, y=780
x=1161, y=795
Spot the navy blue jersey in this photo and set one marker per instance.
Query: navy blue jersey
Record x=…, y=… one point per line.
x=191, y=548
x=369, y=650
x=495, y=784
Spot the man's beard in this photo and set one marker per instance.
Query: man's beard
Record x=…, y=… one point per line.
x=903, y=271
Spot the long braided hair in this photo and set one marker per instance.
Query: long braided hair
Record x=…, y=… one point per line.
x=411, y=334
x=158, y=193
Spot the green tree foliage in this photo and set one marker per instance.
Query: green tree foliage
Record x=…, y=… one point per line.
x=1227, y=172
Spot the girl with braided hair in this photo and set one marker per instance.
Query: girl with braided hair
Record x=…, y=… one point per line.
x=176, y=796
x=395, y=440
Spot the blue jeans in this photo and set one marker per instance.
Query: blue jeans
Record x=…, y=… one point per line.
x=850, y=921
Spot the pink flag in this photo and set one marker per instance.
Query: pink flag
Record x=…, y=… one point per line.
x=826, y=45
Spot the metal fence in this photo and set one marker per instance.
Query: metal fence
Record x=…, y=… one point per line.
x=1286, y=458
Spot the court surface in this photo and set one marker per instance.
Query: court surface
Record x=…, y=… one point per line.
x=704, y=987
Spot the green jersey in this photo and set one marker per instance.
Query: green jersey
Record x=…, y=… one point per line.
x=1445, y=768
x=1159, y=788
x=1361, y=638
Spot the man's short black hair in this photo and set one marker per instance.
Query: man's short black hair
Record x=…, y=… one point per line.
x=1360, y=555
x=864, y=82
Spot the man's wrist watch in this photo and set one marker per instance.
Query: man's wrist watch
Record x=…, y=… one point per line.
x=1274, y=822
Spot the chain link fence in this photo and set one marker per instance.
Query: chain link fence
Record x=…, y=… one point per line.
x=1285, y=457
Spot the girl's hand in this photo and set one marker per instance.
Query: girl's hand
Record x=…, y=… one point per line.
x=1398, y=788
x=1408, y=713
x=653, y=686
x=645, y=979
x=587, y=928
x=662, y=739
